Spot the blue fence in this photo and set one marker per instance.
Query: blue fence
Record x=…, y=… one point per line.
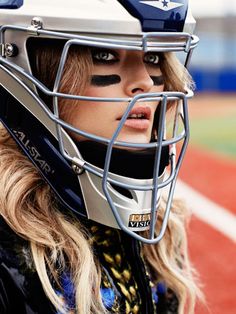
x=214, y=62
x=214, y=80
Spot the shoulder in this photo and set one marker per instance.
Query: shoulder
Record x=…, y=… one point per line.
x=20, y=288
x=12, y=246
x=12, y=280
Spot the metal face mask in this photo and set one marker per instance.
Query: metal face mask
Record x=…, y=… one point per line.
x=115, y=183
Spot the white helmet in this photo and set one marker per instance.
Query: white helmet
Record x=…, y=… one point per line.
x=90, y=177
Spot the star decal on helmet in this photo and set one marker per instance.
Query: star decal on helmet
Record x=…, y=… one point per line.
x=164, y=5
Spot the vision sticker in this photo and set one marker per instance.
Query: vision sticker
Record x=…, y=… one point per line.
x=139, y=221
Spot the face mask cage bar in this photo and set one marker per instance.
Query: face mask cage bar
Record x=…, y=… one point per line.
x=149, y=42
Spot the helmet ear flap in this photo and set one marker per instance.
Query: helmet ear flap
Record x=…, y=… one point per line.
x=41, y=147
x=8, y=110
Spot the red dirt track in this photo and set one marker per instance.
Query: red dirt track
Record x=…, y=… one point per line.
x=212, y=253
x=211, y=175
x=214, y=257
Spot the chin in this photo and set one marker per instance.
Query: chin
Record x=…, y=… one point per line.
x=137, y=138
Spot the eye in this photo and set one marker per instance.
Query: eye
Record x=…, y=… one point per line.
x=152, y=58
x=104, y=56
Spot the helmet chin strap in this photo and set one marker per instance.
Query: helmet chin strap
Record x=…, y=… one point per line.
x=131, y=163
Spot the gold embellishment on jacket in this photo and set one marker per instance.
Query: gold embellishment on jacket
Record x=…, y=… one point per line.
x=118, y=259
x=126, y=275
x=114, y=259
x=108, y=258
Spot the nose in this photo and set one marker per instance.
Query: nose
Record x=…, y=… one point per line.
x=138, y=79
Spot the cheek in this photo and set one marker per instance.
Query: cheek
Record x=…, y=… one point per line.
x=67, y=110
x=88, y=116
x=95, y=91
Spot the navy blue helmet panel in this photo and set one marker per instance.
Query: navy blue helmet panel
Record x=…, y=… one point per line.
x=11, y=4
x=42, y=149
x=158, y=15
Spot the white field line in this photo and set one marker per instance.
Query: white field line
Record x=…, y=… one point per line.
x=218, y=217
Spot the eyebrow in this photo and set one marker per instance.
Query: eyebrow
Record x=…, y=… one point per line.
x=105, y=80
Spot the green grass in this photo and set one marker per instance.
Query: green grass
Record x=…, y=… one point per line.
x=217, y=134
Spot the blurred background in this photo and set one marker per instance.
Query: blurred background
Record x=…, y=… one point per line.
x=208, y=174
x=214, y=62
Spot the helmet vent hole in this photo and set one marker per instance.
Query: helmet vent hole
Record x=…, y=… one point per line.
x=122, y=191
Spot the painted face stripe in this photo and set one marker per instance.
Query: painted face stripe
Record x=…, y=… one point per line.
x=105, y=80
x=157, y=80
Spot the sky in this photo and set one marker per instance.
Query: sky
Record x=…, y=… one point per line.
x=213, y=7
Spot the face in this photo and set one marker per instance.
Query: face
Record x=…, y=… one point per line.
x=123, y=74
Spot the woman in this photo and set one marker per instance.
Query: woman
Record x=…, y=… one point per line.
x=95, y=248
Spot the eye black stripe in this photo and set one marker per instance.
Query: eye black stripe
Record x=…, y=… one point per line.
x=157, y=80
x=105, y=80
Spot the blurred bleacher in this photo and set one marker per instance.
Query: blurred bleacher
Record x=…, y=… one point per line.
x=213, y=65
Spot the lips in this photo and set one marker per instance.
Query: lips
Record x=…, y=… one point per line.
x=139, y=118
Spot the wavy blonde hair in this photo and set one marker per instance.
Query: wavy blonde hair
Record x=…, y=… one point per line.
x=58, y=241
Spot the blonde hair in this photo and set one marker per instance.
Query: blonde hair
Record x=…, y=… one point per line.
x=58, y=242
x=168, y=259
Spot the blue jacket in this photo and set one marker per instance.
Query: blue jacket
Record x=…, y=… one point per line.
x=126, y=286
